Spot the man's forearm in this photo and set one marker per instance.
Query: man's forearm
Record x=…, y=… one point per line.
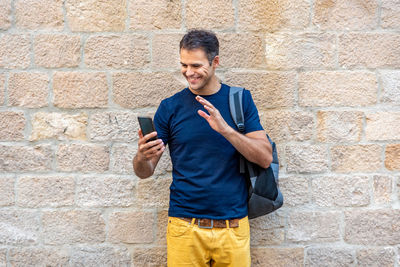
x=256, y=149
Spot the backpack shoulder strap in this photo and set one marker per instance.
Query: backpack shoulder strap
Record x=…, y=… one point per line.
x=235, y=105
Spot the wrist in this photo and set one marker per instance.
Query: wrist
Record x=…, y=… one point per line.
x=228, y=131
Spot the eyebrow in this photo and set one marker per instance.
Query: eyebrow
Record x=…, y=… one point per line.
x=194, y=64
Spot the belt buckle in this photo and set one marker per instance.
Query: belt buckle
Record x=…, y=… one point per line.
x=205, y=227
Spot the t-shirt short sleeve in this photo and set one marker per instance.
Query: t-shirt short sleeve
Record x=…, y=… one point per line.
x=161, y=121
x=251, y=118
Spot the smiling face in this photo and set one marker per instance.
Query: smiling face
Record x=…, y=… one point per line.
x=197, y=70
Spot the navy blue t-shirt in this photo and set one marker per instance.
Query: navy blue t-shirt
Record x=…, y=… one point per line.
x=206, y=178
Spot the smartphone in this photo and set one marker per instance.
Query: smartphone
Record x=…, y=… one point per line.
x=147, y=126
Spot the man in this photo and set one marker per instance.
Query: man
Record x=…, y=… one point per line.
x=208, y=222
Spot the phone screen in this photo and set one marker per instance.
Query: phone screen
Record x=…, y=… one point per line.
x=147, y=126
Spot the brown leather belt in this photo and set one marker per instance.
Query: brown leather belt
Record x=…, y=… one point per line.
x=210, y=223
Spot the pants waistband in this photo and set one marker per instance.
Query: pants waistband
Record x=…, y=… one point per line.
x=211, y=223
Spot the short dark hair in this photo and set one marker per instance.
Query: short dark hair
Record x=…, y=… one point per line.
x=203, y=39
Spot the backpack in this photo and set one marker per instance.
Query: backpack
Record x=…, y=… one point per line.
x=264, y=193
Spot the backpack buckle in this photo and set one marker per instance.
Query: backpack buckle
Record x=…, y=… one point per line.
x=241, y=127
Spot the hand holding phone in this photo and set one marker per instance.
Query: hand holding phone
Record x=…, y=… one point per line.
x=147, y=126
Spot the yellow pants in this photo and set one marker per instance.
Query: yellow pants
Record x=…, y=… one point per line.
x=189, y=245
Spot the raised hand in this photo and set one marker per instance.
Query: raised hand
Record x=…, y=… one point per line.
x=214, y=118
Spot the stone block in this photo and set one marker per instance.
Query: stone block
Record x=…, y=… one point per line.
x=295, y=189
x=342, y=191
x=97, y=16
x=114, y=126
x=19, y=228
x=15, y=51
x=390, y=14
x=269, y=89
x=5, y=15
x=382, y=189
x=58, y=126
x=332, y=88
x=64, y=227
x=38, y=256
x=105, y=192
x=346, y=15
x=372, y=228
x=153, y=192
x=39, y=14
x=313, y=227
x=267, y=230
x=12, y=125
x=29, y=90
x=376, y=257
x=208, y=14
x=34, y=191
x=117, y=52
x=241, y=50
x=330, y=257
x=165, y=51
x=3, y=257
x=36, y=158
x=162, y=222
x=286, y=51
x=369, y=50
x=128, y=88
x=392, y=157
x=2, y=88
x=376, y=122
x=7, y=194
x=131, y=227
x=80, y=90
x=390, y=81
x=339, y=126
x=286, y=126
x=150, y=257
x=306, y=158
x=155, y=15
x=83, y=157
x=270, y=15
x=356, y=158
x=100, y=256
x=278, y=257
x=57, y=51
x=122, y=157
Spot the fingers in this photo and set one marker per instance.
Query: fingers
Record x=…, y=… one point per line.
x=204, y=102
x=147, y=137
x=207, y=105
x=151, y=149
x=203, y=114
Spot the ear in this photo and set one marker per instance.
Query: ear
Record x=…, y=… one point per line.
x=215, y=61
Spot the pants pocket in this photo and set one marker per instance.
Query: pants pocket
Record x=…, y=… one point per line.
x=243, y=231
x=177, y=227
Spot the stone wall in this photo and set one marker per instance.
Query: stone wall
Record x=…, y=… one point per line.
x=74, y=74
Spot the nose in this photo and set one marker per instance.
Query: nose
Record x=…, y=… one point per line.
x=189, y=71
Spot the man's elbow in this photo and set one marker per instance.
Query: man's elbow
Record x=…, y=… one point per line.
x=141, y=172
x=267, y=160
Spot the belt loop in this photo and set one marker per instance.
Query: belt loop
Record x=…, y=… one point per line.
x=227, y=224
x=192, y=223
